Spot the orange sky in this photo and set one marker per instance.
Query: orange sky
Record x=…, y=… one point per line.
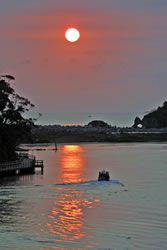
x=118, y=65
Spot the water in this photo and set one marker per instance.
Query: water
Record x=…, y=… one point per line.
x=67, y=208
x=114, y=119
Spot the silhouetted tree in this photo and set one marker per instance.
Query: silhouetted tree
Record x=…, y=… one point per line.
x=13, y=126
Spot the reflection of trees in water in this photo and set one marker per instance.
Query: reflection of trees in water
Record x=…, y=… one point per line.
x=9, y=209
x=16, y=180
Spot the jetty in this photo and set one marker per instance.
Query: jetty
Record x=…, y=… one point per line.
x=26, y=164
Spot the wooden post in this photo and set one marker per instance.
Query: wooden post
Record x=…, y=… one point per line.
x=42, y=170
x=56, y=147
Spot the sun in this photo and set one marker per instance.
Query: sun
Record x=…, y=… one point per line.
x=72, y=35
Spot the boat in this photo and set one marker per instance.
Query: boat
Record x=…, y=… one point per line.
x=104, y=176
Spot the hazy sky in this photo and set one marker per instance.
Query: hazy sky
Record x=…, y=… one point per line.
x=119, y=64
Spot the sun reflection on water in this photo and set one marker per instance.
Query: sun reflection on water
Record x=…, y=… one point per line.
x=66, y=220
x=72, y=163
x=67, y=216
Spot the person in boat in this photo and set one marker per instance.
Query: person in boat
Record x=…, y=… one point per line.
x=104, y=176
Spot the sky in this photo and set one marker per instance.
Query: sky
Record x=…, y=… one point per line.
x=118, y=65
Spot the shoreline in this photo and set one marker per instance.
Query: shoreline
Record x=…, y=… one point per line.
x=50, y=136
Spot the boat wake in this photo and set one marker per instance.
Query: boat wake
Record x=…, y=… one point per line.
x=91, y=182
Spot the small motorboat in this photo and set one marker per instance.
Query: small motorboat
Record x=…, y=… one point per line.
x=104, y=176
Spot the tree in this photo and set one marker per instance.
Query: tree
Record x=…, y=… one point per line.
x=98, y=124
x=13, y=126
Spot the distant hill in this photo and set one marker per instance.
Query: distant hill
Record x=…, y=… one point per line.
x=154, y=119
x=98, y=124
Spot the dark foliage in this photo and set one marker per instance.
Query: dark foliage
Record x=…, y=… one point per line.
x=98, y=124
x=155, y=119
x=13, y=126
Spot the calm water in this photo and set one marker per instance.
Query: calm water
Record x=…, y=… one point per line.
x=66, y=208
x=114, y=119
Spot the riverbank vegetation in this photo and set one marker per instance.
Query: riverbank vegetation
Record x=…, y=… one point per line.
x=14, y=128
x=72, y=134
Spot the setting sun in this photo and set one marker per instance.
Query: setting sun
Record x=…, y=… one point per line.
x=72, y=35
